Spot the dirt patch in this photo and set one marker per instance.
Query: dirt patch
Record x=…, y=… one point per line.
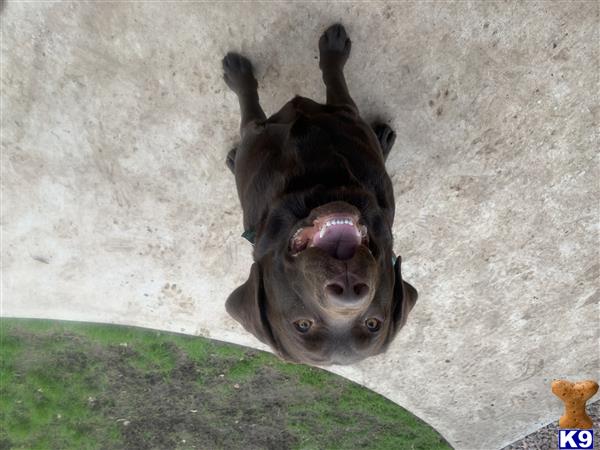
x=197, y=407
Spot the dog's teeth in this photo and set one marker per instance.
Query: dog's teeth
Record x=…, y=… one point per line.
x=332, y=222
x=322, y=232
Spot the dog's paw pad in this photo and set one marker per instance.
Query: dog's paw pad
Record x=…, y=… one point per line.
x=335, y=39
x=335, y=44
x=238, y=72
x=385, y=136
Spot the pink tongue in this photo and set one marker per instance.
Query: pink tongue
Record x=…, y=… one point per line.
x=340, y=241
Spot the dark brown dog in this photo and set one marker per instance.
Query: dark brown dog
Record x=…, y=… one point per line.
x=319, y=204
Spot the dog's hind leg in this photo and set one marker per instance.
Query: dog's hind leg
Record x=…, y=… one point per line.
x=239, y=76
x=385, y=136
x=334, y=49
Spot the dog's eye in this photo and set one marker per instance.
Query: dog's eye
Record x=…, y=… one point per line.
x=373, y=324
x=303, y=325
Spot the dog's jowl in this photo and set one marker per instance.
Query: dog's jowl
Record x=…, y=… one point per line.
x=318, y=204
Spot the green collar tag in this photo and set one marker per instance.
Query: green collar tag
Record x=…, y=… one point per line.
x=250, y=236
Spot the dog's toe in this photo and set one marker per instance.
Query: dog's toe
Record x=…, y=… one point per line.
x=236, y=63
x=334, y=46
x=386, y=137
x=335, y=39
x=238, y=72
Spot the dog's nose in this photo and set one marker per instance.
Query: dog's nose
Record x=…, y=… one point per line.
x=347, y=291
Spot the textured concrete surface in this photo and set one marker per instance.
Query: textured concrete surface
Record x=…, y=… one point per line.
x=117, y=207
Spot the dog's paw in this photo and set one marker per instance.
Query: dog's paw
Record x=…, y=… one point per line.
x=334, y=47
x=385, y=136
x=230, y=160
x=238, y=73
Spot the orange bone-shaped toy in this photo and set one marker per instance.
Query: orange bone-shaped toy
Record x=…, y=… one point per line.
x=574, y=396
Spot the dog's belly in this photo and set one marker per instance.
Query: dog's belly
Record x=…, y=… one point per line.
x=304, y=144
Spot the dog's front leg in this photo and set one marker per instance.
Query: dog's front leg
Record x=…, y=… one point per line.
x=239, y=76
x=334, y=49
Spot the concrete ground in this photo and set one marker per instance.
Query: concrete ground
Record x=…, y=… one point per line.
x=117, y=207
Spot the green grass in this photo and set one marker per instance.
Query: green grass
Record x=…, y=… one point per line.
x=85, y=386
x=44, y=404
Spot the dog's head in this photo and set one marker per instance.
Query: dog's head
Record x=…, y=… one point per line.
x=324, y=289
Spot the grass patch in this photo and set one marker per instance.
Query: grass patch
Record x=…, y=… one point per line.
x=87, y=386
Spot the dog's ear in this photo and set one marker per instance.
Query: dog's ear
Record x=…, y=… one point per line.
x=247, y=305
x=404, y=298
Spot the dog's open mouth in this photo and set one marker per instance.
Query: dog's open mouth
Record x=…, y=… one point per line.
x=338, y=234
